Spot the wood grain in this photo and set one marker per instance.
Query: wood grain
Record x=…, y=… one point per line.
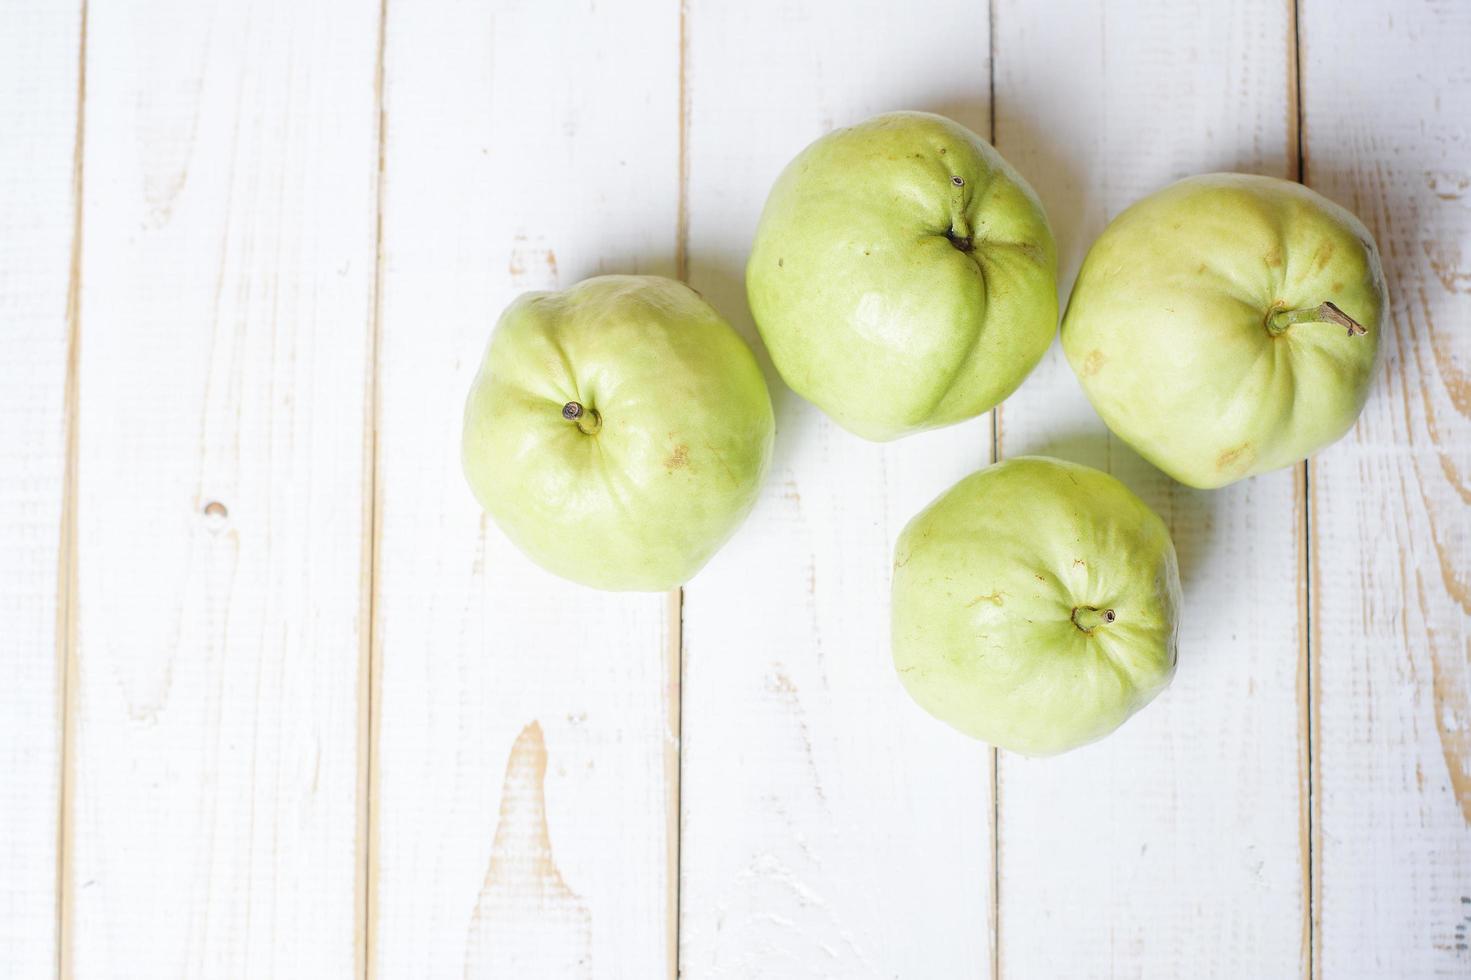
x=1171, y=848
x=831, y=828
x=1387, y=133
x=279, y=700
x=39, y=175
x=523, y=737
x=226, y=289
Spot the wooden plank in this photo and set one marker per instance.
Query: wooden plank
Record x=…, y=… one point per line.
x=39, y=77
x=227, y=281
x=524, y=766
x=1176, y=841
x=831, y=828
x=1387, y=133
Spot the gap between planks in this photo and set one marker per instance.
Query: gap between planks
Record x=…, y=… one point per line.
x=370, y=671
x=66, y=585
x=993, y=758
x=674, y=610
x=673, y=772
x=1307, y=700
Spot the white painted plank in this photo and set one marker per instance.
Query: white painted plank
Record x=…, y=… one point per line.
x=1387, y=133
x=39, y=54
x=227, y=274
x=524, y=757
x=831, y=828
x=1173, y=847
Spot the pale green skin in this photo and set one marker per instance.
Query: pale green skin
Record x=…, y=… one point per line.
x=685, y=438
x=868, y=309
x=1167, y=326
x=988, y=581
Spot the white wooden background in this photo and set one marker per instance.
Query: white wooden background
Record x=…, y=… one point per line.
x=275, y=699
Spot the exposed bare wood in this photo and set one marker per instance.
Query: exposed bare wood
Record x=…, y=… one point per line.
x=1387, y=133
x=527, y=147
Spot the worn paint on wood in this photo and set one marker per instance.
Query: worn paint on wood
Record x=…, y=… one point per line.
x=527, y=922
x=1391, y=523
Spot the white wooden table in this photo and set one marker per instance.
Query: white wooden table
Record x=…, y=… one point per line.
x=277, y=701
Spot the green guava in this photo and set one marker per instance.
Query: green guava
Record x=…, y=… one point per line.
x=903, y=275
x=1035, y=605
x=618, y=432
x=1227, y=325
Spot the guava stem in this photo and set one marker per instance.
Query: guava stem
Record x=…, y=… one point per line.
x=1089, y=618
x=588, y=420
x=959, y=233
x=1322, y=313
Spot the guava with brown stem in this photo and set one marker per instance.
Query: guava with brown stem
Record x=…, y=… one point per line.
x=618, y=432
x=1035, y=605
x=1228, y=325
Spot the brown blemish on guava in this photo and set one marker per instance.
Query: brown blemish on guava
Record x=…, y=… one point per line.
x=1030, y=250
x=1228, y=459
x=1093, y=363
x=1202, y=270
x=678, y=459
x=1274, y=257
x=1079, y=561
x=780, y=263
x=1323, y=256
x=1336, y=287
x=994, y=598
